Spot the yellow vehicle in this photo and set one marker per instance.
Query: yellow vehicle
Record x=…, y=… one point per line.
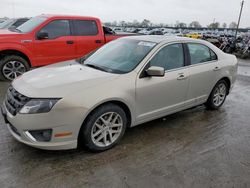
x=193, y=35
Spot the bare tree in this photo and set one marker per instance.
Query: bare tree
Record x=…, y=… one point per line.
x=195, y=24
x=145, y=23
x=233, y=25
x=224, y=25
x=214, y=25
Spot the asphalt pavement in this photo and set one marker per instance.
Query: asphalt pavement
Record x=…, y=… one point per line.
x=193, y=148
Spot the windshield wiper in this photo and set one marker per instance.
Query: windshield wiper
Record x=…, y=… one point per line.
x=96, y=67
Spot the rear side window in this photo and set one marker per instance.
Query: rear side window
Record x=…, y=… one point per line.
x=200, y=53
x=57, y=28
x=85, y=28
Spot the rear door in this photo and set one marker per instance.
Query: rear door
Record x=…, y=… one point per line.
x=204, y=71
x=88, y=35
x=59, y=46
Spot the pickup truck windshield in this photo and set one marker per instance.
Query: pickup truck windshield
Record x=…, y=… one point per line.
x=120, y=56
x=31, y=24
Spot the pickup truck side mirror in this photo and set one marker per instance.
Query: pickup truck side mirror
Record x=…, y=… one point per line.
x=42, y=35
x=155, y=71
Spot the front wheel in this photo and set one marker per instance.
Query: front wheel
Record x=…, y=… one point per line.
x=218, y=95
x=104, y=127
x=12, y=66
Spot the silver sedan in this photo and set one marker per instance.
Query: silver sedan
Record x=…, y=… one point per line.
x=132, y=80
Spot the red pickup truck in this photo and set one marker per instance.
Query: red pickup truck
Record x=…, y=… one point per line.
x=48, y=39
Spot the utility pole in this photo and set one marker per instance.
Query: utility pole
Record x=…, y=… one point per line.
x=242, y=5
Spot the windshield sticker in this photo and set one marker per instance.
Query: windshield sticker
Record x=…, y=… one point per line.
x=149, y=44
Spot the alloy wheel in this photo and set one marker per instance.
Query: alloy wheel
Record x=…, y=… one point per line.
x=13, y=69
x=106, y=129
x=220, y=94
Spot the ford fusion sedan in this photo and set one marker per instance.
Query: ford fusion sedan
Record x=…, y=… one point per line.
x=127, y=82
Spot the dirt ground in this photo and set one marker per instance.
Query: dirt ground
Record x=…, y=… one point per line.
x=193, y=148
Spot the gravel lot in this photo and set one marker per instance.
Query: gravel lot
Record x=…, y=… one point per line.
x=193, y=148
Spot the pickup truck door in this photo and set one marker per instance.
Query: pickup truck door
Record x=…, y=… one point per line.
x=88, y=35
x=54, y=43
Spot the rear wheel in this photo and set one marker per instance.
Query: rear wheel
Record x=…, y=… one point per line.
x=218, y=95
x=104, y=127
x=12, y=66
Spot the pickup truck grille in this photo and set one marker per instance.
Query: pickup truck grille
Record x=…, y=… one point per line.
x=15, y=101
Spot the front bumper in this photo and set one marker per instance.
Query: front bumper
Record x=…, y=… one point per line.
x=19, y=125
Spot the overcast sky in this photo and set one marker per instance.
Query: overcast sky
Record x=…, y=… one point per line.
x=157, y=11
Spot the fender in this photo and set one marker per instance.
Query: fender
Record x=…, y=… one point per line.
x=17, y=47
x=114, y=99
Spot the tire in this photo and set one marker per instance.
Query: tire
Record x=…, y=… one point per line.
x=216, y=100
x=12, y=63
x=94, y=128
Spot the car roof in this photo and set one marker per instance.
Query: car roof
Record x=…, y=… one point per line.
x=162, y=38
x=66, y=16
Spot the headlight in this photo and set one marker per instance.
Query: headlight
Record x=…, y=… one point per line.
x=35, y=106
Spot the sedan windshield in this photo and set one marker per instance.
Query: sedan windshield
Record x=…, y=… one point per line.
x=31, y=24
x=120, y=56
x=6, y=23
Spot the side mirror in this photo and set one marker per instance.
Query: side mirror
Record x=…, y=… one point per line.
x=155, y=71
x=42, y=35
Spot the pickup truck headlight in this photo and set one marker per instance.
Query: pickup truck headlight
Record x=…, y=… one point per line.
x=35, y=106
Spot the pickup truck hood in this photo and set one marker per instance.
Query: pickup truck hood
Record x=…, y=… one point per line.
x=7, y=33
x=59, y=80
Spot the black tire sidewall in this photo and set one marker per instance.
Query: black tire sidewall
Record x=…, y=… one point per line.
x=85, y=133
x=6, y=59
x=210, y=104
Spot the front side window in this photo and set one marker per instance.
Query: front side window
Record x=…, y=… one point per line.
x=85, y=28
x=169, y=57
x=200, y=53
x=57, y=28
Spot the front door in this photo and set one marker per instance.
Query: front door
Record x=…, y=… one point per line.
x=59, y=46
x=159, y=96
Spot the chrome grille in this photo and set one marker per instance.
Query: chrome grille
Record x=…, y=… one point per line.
x=15, y=101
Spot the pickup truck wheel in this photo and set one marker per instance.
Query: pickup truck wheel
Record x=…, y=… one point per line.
x=12, y=66
x=104, y=127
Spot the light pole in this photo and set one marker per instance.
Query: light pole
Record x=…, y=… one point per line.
x=242, y=4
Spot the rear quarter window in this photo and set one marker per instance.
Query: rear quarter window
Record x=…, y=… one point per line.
x=200, y=53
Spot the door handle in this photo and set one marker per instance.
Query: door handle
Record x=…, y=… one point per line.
x=181, y=77
x=70, y=42
x=216, y=68
x=98, y=41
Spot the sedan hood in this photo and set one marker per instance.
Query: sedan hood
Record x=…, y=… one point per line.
x=59, y=80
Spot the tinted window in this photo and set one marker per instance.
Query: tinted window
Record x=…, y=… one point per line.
x=85, y=28
x=57, y=29
x=213, y=55
x=200, y=53
x=170, y=57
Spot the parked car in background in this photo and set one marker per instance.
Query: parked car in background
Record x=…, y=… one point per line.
x=193, y=35
x=13, y=23
x=48, y=39
x=127, y=82
x=155, y=32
